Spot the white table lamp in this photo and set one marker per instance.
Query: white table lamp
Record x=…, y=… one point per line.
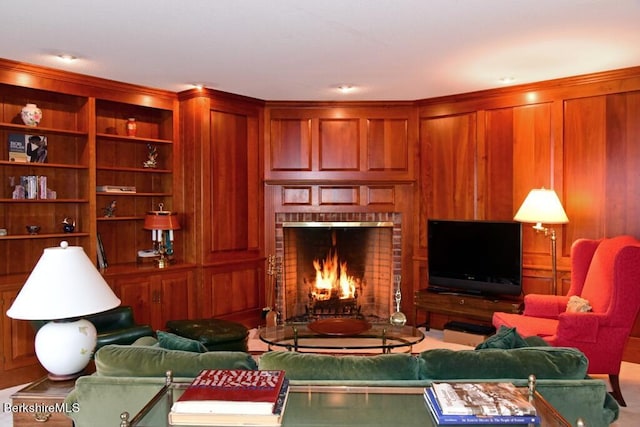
x=63, y=286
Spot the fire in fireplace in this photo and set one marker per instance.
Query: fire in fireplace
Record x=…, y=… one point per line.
x=333, y=291
x=337, y=270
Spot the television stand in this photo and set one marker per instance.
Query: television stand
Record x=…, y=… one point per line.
x=472, y=307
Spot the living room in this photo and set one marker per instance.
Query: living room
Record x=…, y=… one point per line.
x=240, y=166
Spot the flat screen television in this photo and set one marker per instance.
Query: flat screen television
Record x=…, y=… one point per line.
x=477, y=257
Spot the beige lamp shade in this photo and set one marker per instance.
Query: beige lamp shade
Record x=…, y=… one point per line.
x=64, y=284
x=542, y=206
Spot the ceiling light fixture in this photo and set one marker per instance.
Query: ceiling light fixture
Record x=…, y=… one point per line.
x=507, y=80
x=346, y=88
x=67, y=58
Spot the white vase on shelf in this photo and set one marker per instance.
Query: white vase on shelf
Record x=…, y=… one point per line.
x=31, y=115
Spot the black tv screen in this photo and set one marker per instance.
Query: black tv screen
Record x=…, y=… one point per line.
x=478, y=257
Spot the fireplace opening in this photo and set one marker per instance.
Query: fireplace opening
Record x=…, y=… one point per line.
x=337, y=270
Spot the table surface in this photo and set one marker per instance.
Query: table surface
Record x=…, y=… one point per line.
x=379, y=336
x=329, y=406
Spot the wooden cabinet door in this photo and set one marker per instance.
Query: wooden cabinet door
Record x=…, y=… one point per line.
x=137, y=292
x=18, y=338
x=175, y=290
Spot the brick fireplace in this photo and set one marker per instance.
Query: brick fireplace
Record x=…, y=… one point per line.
x=364, y=246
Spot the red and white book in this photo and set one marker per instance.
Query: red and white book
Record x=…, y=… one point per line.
x=231, y=391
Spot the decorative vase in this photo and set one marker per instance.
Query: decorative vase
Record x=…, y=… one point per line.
x=131, y=127
x=31, y=115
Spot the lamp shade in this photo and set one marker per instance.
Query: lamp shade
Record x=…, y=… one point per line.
x=64, y=284
x=542, y=206
x=161, y=220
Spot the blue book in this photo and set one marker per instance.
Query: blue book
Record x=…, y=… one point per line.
x=443, y=419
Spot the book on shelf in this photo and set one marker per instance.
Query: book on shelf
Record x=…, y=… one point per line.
x=17, y=148
x=102, y=257
x=230, y=419
x=459, y=419
x=116, y=189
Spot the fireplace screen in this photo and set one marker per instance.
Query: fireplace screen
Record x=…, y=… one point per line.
x=337, y=270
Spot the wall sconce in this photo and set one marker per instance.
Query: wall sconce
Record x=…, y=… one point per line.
x=543, y=206
x=162, y=223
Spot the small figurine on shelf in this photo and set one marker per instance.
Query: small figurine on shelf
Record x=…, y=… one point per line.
x=110, y=211
x=152, y=161
x=68, y=225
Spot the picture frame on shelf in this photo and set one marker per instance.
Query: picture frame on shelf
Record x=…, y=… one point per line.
x=26, y=148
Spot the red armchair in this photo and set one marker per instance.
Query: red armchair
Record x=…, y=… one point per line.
x=605, y=272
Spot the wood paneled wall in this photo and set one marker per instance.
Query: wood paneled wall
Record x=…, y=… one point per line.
x=223, y=173
x=481, y=153
x=470, y=156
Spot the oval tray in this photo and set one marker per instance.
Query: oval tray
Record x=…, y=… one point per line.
x=339, y=327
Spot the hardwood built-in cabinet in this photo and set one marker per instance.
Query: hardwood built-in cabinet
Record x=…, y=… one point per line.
x=67, y=171
x=84, y=122
x=120, y=161
x=65, y=125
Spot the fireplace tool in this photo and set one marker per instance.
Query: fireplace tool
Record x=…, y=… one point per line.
x=271, y=315
x=398, y=318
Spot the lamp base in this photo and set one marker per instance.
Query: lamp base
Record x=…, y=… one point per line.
x=55, y=377
x=64, y=348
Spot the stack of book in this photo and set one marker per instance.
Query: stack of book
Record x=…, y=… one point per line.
x=230, y=397
x=479, y=403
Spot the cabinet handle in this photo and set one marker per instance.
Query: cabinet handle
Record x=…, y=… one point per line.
x=461, y=302
x=42, y=417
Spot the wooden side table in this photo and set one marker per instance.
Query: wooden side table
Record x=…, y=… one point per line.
x=42, y=402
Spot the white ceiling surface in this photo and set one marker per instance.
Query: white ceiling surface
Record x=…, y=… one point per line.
x=304, y=49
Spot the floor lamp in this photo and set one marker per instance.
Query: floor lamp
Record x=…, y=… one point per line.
x=543, y=206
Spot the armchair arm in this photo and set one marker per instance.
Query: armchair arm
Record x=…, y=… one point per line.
x=578, y=327
x=546, y=306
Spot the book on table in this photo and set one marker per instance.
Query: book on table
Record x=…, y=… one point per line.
x=232, y=397
x=479, y=403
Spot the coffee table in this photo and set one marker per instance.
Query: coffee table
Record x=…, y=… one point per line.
x=380, y=336
x=330, y=406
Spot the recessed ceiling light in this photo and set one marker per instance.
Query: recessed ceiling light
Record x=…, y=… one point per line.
x=507, y=80
x=346, y=88
x=67, y=58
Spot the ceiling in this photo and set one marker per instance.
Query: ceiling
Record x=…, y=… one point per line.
x=305, y=49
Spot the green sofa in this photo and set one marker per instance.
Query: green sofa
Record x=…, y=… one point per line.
x=127, y=377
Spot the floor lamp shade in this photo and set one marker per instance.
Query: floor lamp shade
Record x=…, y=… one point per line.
x=63, y=286
x=542, y=206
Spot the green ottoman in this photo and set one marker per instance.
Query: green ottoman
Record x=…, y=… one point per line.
x=215, y=334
